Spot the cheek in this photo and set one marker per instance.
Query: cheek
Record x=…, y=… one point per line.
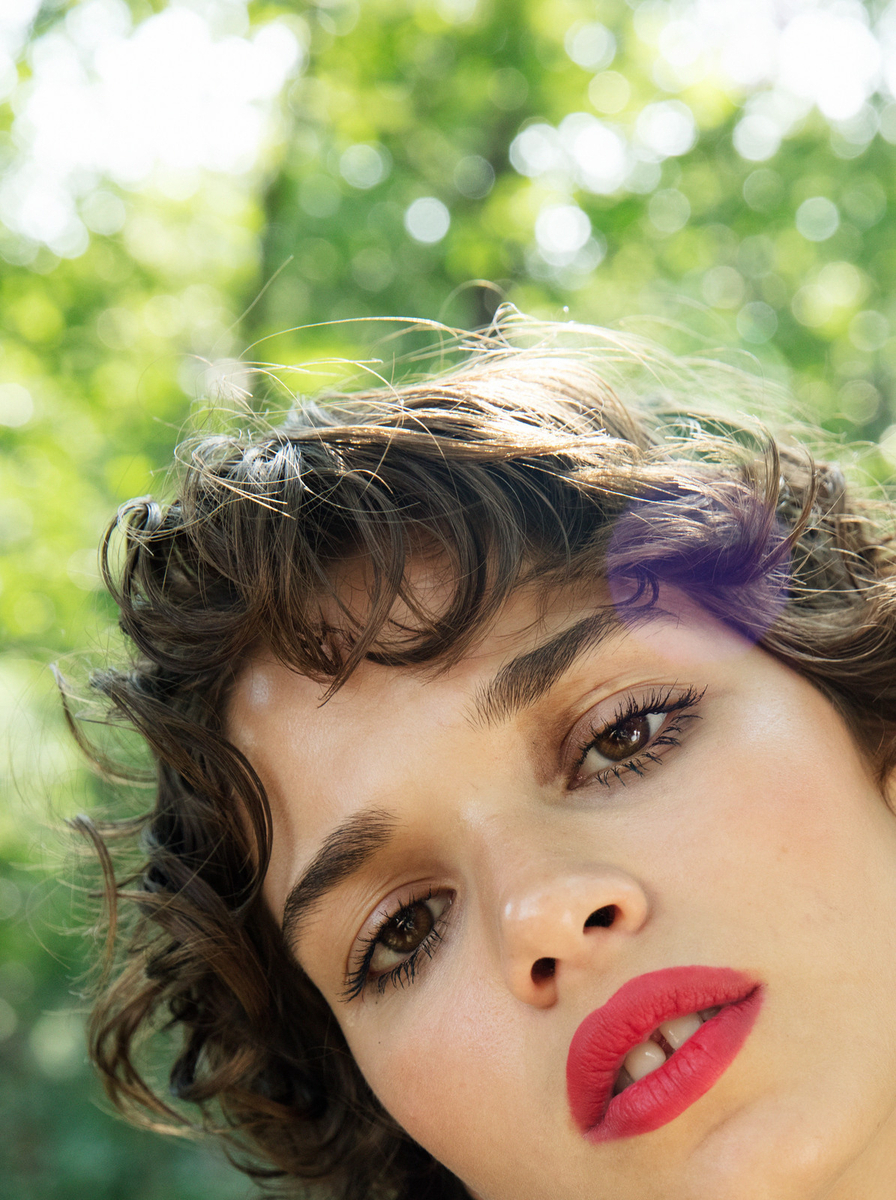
x=443, y=1068
x=793, y=833
x=785, y=775
x=472, y=1084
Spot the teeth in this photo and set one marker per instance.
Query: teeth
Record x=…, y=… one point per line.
x=643, y=1059
x=678, y=1031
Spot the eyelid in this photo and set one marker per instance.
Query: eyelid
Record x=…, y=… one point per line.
x=385, y=909
x=601, y=714
x=667, y=698
x=356, y=972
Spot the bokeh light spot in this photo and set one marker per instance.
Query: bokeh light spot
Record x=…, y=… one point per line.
x=83, y=569
x=590, y=45
x=869, y=330
x=103, y=212
x=831, y=58
x=842, y=283
x=536, y=150
x=474, y=176
x=609, y=92
x=859, y=401
x=723, y=287
x=508, y=88
x=364, y=166
x=757, y=322
x=456, y=12
x=866, y=202
x=812, y=306
x=179, y=91
x=56, y=1041
x=817, y=218
x=666, y=129
x=373, y=269
x=16, y=405
x=763, y=189
x=669, y=210
x=888, y=445
x=598, y=152
x=756, y=255
x=561, y=230
x=427, y=220
x=756, y=137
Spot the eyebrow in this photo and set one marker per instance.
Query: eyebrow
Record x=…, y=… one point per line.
x=527, y=677
x=344, y=852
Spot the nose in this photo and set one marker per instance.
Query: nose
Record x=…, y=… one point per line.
x=554, y=928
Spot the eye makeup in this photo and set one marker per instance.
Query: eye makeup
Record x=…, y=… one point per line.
x=391, y=953
x=642, y=730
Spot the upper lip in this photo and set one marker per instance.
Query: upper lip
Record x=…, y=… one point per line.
x=629, y=1017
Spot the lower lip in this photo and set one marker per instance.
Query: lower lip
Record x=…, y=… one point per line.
x=668, y=1091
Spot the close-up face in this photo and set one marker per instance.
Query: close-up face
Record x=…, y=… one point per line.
x=609, y=921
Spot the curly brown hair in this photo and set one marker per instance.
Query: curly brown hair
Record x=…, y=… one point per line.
x=519, y=465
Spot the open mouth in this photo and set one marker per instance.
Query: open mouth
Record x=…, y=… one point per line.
x=660, y=1046
x=656, y=1046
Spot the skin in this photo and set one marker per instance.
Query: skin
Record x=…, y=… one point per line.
x=760, y=842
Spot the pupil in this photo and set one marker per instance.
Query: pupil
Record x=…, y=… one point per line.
x=408, y=928
x=625, y=739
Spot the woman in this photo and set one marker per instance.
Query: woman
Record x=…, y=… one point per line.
x=523, y=820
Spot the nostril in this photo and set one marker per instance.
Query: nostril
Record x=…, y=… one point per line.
x=543, y=968
x=602, y=918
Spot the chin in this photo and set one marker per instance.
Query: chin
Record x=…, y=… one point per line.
x=775, y=1156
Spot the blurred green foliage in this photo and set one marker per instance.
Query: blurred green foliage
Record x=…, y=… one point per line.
x=425, y=160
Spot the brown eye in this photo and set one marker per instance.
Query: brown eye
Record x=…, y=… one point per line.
x=642, y=732
x=625, y=739
x=622, y=742
x=407, y=929
x=411, y=929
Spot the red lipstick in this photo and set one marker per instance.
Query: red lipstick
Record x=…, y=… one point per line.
x=629, y=1017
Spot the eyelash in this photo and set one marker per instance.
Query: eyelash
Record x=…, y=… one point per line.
x=404, y=972
x=669, y=734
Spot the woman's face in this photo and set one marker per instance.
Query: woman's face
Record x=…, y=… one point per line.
x=655, y=815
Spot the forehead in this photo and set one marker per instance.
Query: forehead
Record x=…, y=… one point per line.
x=272, y=701
x=428, y=588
